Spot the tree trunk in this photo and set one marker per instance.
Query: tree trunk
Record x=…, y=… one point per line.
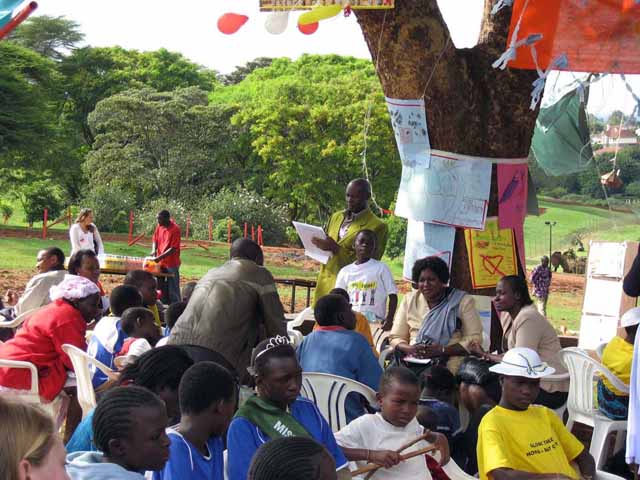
x=471, y=108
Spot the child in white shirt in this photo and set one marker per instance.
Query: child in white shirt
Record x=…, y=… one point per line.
x=374, y=438
x=369, y=282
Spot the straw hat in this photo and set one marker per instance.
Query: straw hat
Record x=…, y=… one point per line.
x=522, y=362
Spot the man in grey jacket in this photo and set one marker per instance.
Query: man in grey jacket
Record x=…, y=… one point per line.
x=232, y=308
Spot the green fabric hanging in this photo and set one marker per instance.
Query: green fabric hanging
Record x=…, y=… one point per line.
x=561, y=141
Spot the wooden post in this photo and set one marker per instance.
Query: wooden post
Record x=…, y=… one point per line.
x=229, y=231
x=210, y=228
x=69, y=216
x=253, y=233
x=245, y=229
x=131, y=219
x=45, y=217
x=188, y=225
x=260, y=242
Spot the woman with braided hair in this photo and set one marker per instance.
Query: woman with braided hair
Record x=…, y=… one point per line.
x=293, y=458
x=129, y=430
x=277, y=411
x=160, y=371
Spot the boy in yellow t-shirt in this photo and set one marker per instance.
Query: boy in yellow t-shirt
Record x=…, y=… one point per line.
x=519, y=441
x=617, y=357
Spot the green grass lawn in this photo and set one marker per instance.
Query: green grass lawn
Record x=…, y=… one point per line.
x=20, y=254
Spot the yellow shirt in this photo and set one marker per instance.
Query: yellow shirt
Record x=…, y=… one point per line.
x=617, y=357
x=156, y=314
x=534, y=440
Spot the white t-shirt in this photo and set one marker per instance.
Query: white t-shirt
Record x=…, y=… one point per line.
x=81, y=240
x=375, y=433
x=369, y=284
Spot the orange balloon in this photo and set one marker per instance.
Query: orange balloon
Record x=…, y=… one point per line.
x=309, y=28
x=230, y=23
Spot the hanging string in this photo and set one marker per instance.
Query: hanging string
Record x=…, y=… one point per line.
x=367, y=117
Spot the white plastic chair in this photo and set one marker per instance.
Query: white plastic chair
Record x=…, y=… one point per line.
x=32, y=395
x=601, y=475
x=580, y=404
x=600, y=349
x=19, y=320
x=379, y=337
x=559, y=377
x=304, y=316
x=329, y=393
x=81, y=361
x=295, y=337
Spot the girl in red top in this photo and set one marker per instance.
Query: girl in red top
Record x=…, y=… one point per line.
x=75, y=302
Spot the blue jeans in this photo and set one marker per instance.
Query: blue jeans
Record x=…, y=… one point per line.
x=171, y=286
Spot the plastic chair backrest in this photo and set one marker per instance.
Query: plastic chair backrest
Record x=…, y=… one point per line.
x=81, y=361
x=303, y=316
x=33, y=394
x=329, y=393
x=600, y=349
x=296, y=337
x=582, y=369
x=379, y=339
x=19, y=320
x=454, y=472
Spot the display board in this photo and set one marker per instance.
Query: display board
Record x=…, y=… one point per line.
x=604, y=300
x=271, y=5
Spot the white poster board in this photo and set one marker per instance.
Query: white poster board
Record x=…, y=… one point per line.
x=596, y=329
x=307, y=233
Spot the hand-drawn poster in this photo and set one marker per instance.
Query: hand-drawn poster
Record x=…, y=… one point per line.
x=512, y=194
x=270, y=5
x=409, y=123
x=492, y=254
x=425, y=240
x=450, y=192
x=606, y=259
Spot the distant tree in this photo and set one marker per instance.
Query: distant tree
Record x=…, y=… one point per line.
x=616, y=117
x=240, y=73
x=92, y=74
x=53, y=37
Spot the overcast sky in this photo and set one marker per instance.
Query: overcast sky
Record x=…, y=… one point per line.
x=189, y=27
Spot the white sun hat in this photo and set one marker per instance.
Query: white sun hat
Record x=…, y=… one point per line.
x=522, y=362
x=630, y=317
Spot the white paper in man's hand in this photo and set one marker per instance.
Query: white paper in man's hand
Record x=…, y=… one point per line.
x=307, y=233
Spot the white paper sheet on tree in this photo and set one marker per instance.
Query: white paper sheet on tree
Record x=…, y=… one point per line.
x=606, y=259
x=602, y=297
x=449, y=192
x=425, y=240
x=306, y=233
x=409, y=123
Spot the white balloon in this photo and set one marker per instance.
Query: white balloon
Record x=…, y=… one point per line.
x=277, y=22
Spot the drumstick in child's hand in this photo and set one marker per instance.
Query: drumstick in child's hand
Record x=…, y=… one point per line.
x=374, y=466
x=404, y=447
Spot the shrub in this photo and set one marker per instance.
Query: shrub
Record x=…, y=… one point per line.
x=633, y=189
x=145, y=220
x=221, y=230
x=242, y=206
x=6, y=211
x=111, y=207
x=39, y=195
x=397, y=236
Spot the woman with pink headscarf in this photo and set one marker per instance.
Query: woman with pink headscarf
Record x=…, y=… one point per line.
x=75, y=302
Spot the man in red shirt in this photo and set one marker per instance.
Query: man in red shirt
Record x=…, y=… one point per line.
x=166, y=251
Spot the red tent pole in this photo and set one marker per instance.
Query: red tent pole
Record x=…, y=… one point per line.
x=45, y=217
x=210, y=228
x=18, y=19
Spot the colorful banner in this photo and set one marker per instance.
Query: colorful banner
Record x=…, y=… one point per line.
x=409, y=123
x=270, y=5
x=492, y=254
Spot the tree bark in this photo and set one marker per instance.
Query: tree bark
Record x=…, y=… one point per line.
x=471, y=108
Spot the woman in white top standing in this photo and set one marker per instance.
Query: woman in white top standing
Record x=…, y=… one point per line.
x=84, y=234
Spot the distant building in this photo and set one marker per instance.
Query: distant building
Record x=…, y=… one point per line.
x=615, y=135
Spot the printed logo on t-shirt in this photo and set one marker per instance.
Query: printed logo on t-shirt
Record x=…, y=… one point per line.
x=362, y=293
x=543, y=446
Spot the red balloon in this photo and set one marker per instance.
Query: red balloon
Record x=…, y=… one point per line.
x=231, y=22
x=309, y=28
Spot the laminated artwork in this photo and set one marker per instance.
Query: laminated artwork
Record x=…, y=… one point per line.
x=449, y=192
x=492, y=254
x=593, y=35
x=427, y=240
